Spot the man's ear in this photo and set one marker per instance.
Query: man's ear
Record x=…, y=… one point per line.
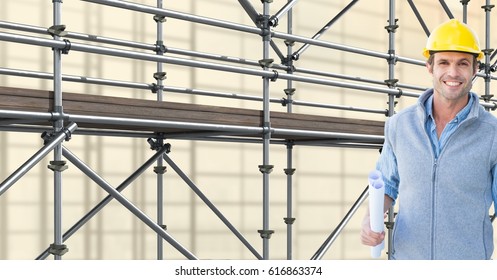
x=429, y=67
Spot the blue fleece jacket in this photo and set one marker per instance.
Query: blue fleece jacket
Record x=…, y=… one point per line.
x=444, y=200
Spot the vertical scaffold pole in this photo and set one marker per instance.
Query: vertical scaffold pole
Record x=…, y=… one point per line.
x=57, y=165
x=289, y=171
x=392, y=83
x=160, y=169
x=464, y=4
x=488, y=52
x=265, y=168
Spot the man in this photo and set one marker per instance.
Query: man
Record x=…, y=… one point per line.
x=439, y=159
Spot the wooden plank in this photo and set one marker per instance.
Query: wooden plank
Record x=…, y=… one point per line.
x=106, y=106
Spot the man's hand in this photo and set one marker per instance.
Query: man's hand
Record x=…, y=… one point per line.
x=369, y=237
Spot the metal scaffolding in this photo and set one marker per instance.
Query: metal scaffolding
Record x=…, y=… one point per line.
x=65, y=126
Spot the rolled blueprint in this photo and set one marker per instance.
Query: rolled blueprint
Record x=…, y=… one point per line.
x=376, y=211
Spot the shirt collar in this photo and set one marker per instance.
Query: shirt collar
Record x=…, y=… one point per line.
x=461, y=116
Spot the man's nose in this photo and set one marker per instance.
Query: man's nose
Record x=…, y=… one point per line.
x=452, y=70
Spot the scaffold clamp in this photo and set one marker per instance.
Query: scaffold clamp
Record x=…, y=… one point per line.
x=285, y=101
x=160, y=48
x=266, y=62
x=289, y=43
x=58, y=250
x=289, y=171
x=68, y=134
x=155, y=87
x=397, y=94
x=273, y=21
x=57, y=30
x=295, y=56
x=267, y=169
x=57, y=165
x=493, y=68
x=160, y=18
x=391, y=82
x=287, y=60
x=266, y=234
x=488, y=8
x=289, y=91
x=392, y=58
x=160, y=76
x=47, y=136
x=160, y=169
x=58, y=114
x=290, y=143
x=156, y=145
x=392, y=27
x=67, y=47
x=389, y=225
x=487, y=51
x=487, y=97
x=275, y=76
x=289, y=221
x=291, y=68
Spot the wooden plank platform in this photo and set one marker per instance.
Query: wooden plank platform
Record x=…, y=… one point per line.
x=94, y=105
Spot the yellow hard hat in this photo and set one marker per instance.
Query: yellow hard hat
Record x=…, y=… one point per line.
x=453, y=35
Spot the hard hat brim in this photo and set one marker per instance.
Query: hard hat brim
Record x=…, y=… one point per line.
x=427, y=53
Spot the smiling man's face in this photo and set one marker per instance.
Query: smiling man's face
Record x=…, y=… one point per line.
x=452, y=74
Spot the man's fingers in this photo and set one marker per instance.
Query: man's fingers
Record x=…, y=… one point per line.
x=372, y=238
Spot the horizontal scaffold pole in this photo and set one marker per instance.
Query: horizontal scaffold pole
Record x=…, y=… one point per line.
x=73, y=78
x=186, y=62
x=79, y=36
x=81, y=79
x=238, y=130
x=152, y=47
x=243, y=28
x=224, y=58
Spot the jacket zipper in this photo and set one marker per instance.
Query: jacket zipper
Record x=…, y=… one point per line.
x=433, y=190
x=434, y=175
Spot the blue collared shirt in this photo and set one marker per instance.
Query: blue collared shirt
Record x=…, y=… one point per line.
x=431, y=128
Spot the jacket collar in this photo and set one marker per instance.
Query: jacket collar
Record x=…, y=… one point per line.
x=422, y=111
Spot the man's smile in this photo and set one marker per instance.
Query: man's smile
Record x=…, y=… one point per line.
x=452, y=83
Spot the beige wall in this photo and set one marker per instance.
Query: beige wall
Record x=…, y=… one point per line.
x=327, y=181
